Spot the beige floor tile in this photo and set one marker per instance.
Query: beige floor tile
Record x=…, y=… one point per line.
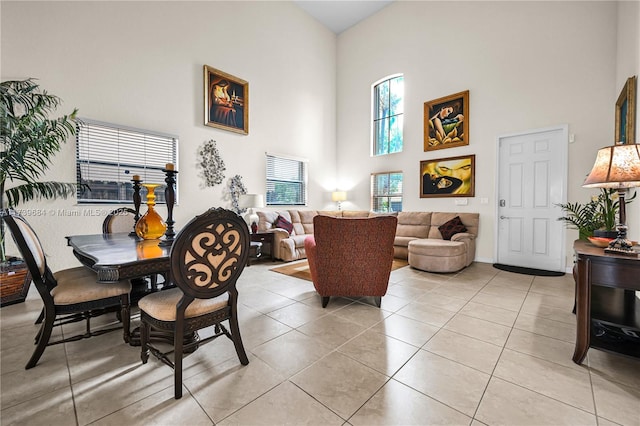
x=616, y=402
x=510, y=302
x=486, y=331
x=504, y=291
x=508, y=404
x=535, y=307
x=468, y=351
x=298, y=314
x=557, y=300
x=406, y=329
x=564, y=286
x=54, y=408
x=286, y=404
x=545, y=327
x=427, y=314
x=15, y=358
x=404, y=292
x=511, y=281
x=448, y=303
x=111, y=391
x=489, y=313
x=332, y=330
x=21, y=314
x=159, y=409
x=398, y=404
x=547, y=348
x=615, y=367
x=291, y=352
x=363, y=314
x=340, y=383
x=257, y=330
x=24, y=335
x=230, y=386
x=378, y=351
x=393, y=303
x=565, y=384
x=604, y=422
x=458, y=291
x=422, y=283
x=263, y=300
x=209, y=355
x=449, y=382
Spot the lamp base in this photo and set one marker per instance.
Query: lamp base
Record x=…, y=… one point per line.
x=621, y=245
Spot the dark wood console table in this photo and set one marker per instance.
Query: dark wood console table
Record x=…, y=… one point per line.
x=605, y=293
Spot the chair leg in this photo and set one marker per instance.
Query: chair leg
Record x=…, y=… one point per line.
x=325, y=301
x=40, y=317
x=144, y=342
x=378, y=301
x=178, y=343
x=237, y=339
x=44, y=335
x=125, y=308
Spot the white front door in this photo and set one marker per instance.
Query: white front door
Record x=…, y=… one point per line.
x=532, y=180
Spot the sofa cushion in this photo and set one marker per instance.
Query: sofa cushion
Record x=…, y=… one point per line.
x=470, y=221
x=403, y=241
x=267, y=218
x=437, y=248
x=332, y=213
x=306, y=220
x=298, y=240
x=355, y=213
x=283, y=223
x=452, y=227
x=413, y=224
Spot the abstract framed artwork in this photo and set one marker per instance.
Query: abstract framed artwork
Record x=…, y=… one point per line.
x=448, y=177
x=446, y=122
x=626, y=113
x=226, y=101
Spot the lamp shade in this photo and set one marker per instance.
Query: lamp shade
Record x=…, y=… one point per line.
x=616, y=166
x=338, y=196
x=251, y=201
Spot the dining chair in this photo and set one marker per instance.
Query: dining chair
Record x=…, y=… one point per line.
x=119, y=220
x=69, y=295
x=207, y=257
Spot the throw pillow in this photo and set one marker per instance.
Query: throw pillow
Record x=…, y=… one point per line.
x=283, y=223
x=452, y=227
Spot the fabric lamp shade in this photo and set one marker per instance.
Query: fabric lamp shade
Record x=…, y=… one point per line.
x=616, y=166
x=338, y=196
x=251, y=201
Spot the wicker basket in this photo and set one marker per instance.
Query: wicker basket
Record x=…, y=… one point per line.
x=14, y=282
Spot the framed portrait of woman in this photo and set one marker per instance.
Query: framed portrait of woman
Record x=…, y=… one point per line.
x=226, y=101
x=446, y=122
x=626, y=113
x=448, y=177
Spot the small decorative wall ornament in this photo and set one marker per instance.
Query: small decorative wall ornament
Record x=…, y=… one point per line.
x=211, y=164
x=236, y=188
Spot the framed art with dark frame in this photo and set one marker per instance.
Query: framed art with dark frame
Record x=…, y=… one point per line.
x=626, y=113
x=446, y=122
x=448, y=177
x=226, y=101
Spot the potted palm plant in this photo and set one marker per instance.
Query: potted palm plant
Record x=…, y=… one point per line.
x=30, y=139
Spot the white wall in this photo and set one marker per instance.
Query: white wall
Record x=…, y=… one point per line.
x=140, y=64
x=527, y=65
x=627, y=65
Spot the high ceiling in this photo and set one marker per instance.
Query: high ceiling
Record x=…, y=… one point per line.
x=340, y=15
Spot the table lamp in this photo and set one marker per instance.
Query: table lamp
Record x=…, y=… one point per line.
x=618, y=167
x=338, y=196
x=251, y=201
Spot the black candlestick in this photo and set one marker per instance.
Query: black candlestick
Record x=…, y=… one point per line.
x=170, y=197
x=137, y=200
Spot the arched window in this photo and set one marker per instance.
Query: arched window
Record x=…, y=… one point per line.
x=388, y=118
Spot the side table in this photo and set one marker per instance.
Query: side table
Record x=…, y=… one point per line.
x=265, y=238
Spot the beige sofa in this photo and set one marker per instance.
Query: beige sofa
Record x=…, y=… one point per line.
x=430, y=252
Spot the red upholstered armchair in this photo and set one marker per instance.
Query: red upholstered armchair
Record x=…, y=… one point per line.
x=351, y=256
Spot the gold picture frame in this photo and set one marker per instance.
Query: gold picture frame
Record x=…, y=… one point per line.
x=446, y=122
x=626, y=113
x=226, y=101
x=448, y=177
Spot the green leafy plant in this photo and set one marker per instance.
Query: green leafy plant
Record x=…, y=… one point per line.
x=30, y=140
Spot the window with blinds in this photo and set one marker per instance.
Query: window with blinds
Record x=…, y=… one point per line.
x=286, y=181
x=386, y=192
x=109, y=155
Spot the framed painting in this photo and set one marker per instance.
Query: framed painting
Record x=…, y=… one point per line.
x=226, y=101
x=448, y=177
x=446, y=122
x=626, y=113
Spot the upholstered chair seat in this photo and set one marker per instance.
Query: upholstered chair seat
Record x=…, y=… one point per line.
x=162, y=305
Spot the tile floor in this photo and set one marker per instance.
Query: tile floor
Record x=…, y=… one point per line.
x=478, y=347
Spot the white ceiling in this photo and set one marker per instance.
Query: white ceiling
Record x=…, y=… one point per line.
x=340, y=15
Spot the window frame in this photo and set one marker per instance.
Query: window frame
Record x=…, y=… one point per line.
x=303, y=182
x=388, y=196
x=375, y=119
x=149, y=170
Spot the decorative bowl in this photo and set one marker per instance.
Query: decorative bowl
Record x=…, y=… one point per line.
x=600, y=241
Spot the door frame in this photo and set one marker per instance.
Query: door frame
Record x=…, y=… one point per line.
x=564, y=129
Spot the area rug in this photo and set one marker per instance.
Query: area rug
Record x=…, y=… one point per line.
x=301, y=269
x=527, y=271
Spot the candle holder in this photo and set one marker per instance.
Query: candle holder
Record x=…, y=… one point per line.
x=170, y=197
x=137, y=200
x=150, y=226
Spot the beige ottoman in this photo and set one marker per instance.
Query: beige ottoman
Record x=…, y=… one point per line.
x=433, y=255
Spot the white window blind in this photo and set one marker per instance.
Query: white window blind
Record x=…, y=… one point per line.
x=286, y=181
x=386, y=192
x=109, y=155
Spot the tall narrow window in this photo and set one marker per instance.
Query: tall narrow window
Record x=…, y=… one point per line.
x=286, y=181
x=388, y=110
x=109, y=155
x=386, y=192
